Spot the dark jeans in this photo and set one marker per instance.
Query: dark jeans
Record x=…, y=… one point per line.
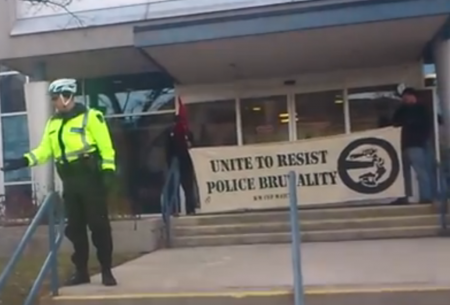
x=421, y=159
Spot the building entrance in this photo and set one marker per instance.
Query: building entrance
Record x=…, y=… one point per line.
x=271, y=112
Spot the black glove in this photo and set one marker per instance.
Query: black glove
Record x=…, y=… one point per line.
x=111, y=184
x=14, y=164
x=109, y=179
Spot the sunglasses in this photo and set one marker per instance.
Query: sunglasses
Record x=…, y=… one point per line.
x=54, y=97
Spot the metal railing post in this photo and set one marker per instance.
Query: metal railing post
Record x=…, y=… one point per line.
x=168, y=224
x=296, y=241
x=443, y=205
x=52, y=249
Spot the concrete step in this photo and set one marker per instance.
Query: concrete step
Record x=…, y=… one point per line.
x=368, y=296
x=309, y=225
x=312, y=214
x=307, y=236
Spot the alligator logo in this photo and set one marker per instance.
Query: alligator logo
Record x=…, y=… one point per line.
x=369, y=165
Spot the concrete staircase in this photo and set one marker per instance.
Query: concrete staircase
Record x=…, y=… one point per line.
x=378, y=272
x=317, y=225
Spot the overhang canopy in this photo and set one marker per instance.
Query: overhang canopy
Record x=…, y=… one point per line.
x=295, y=39
x=87, y=64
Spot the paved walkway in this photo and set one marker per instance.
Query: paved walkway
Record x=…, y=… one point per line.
x=420, y=263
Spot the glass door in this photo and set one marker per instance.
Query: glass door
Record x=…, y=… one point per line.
x=372, y=107
x=264, y=119
x=319, y=114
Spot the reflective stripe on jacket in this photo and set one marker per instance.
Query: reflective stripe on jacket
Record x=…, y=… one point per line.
x=84, y=133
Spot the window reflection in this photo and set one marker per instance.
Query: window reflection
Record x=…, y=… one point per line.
x=141, y=163
x=319, y=114
x=79, y=99
x=15, y=143
x=372, y=107
x=213, y=123
x=135, y=102
x=264, y=119
x=12, y=95
x=130, y=94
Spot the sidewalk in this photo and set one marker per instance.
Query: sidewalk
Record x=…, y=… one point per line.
x=366, y=265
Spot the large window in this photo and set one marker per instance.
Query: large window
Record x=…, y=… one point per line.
x=372, y=107
x=319, y=114
x=264, y=119
x=18, y=194
x=12, y=95
x=130, y=94
x=139, y=108
x=213, y=123
x=141, y=161
x=15, y=144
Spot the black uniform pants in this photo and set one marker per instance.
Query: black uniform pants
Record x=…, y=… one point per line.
x=85, y=199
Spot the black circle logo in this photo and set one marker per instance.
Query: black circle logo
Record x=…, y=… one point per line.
x=367, y=154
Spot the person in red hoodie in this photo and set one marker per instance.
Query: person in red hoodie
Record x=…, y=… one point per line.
x=179, y=140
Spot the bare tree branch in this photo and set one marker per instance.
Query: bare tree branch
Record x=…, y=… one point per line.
x=59, y=5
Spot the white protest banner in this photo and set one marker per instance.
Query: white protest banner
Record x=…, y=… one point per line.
x=359, y=166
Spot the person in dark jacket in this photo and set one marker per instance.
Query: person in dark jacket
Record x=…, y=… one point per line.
x=179, y=140
x=416, y=120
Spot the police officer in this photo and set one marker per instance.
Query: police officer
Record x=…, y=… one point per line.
x=79, y=141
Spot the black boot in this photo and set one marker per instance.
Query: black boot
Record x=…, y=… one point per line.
x=78, y=278
x=108, y=278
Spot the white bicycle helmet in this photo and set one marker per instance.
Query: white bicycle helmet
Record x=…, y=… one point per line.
x=63, y=85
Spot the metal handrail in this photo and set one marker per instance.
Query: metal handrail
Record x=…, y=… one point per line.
x=49, y=206
x=170, y=198
x=443, y=202
x=299, y=293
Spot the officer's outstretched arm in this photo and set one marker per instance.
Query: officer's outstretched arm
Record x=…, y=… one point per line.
x=43, y=152
x=100, y=132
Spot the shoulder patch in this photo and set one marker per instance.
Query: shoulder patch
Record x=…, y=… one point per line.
x=100, y=118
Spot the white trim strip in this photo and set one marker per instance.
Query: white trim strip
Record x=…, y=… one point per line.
x=10, y=114
x=13, y=183
x=123, y=115
x=6, y=73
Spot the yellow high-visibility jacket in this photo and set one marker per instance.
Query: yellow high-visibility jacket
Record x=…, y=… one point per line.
x=78, y=136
